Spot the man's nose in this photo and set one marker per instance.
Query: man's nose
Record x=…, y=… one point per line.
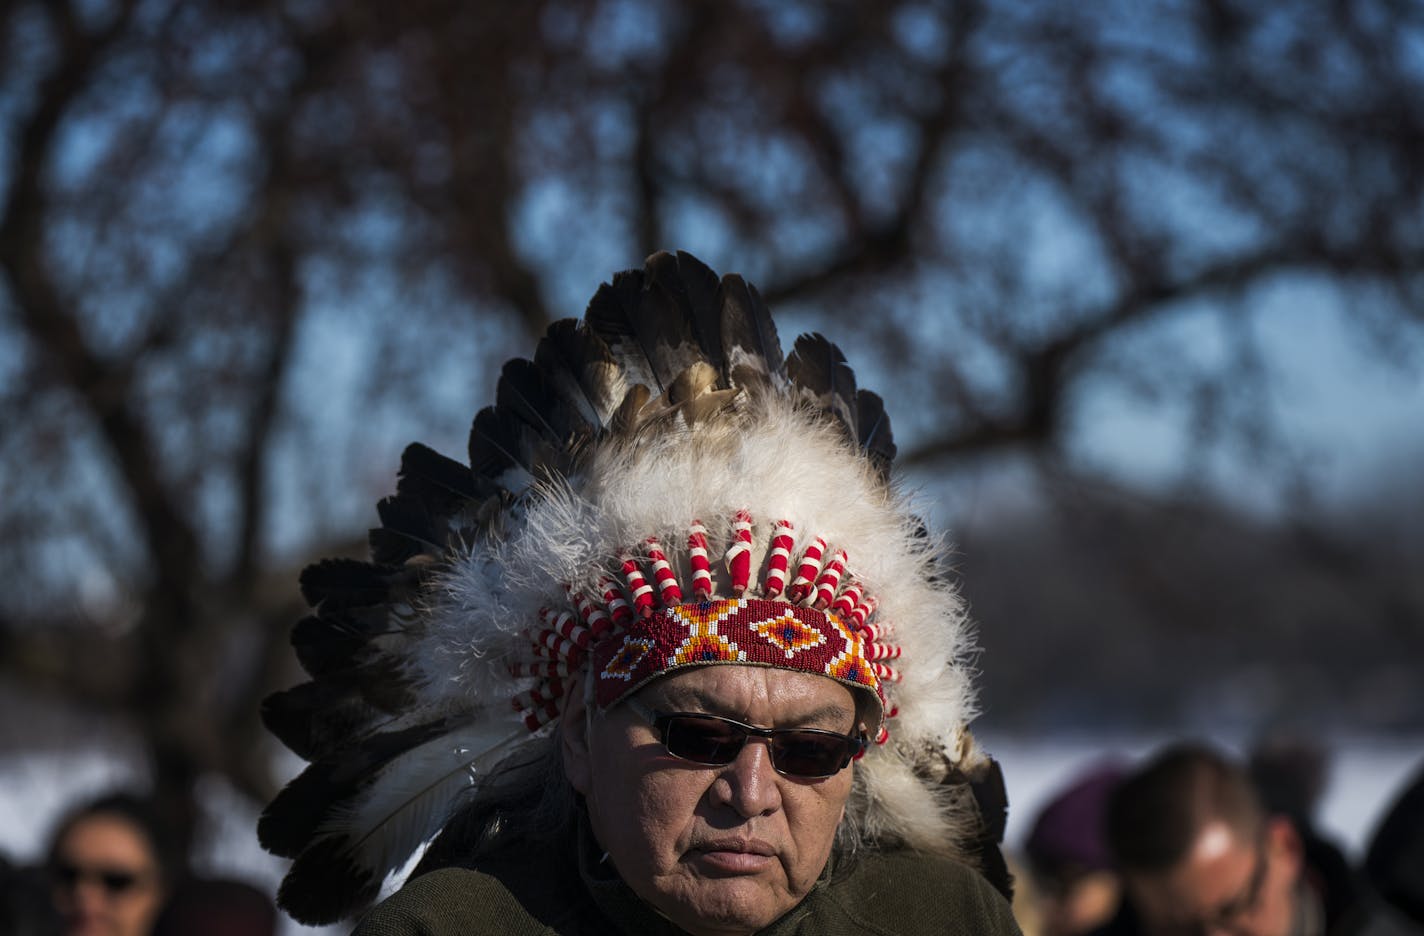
x=749, y=784
x=89, y=895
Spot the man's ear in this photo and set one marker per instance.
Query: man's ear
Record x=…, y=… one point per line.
x=573, y=738
x=1284, y=842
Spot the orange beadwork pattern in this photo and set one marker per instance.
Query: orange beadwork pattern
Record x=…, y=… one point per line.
x=741, y=630
x=820, y=622
x=850, y=667
x=706, y=648
x=789, y=634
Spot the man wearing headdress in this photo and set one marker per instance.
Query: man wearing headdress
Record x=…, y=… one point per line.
x=671, y=655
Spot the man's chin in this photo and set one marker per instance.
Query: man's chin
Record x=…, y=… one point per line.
x=91, y=927
x=728, y=904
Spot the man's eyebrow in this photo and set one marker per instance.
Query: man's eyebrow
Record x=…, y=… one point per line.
x=696, y=700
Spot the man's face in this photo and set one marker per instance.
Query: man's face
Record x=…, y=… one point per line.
x=1227, y=884
x=716, y=849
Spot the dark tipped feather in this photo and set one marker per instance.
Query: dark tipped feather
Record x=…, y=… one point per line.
x=394, y=547
x=818, y=370
x=579, y=365
x=289, y=822
x=524, y=394
x=640, y=320
x=334, y=640
x=386, y=683
x=329, y=784
x=316, y=718
x=750, y=346
x=609, y=316
x=360, y=649
x=326, y=884
x=444, y=485
x=681, y=287
x=407, y=530
x=698, y=291
x=345, y=583
x=494, y=454
x=534, y=426
x=876, y=439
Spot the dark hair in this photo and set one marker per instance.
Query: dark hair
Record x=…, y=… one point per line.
x=1157, y=812
x=144, y=815
x=1291, y=775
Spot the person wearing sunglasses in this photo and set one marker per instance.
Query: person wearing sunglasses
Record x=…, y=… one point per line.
x=109, y=867
x=672, y=654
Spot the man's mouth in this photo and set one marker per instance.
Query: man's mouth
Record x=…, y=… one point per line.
x=734, y=856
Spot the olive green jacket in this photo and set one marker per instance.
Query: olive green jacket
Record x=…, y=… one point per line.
x=880, y=893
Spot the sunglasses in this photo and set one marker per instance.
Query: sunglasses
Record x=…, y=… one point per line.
x=714, y=741
x=115, y=881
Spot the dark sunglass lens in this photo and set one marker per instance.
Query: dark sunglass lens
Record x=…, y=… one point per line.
x=704, y=740
x=113, y=880
x=809, y=754
x=116, y=882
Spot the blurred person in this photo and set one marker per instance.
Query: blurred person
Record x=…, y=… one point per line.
x=1072, y=868
x=1291, y=775
x=1026, y=902
x=217, y=907
x=111, y=863
x=25, y=906
x=1394, y=861
x=1200, y=854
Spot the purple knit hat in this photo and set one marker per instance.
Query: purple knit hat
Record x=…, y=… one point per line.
x=1069, y=832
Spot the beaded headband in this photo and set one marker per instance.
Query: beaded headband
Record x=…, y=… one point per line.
x=641, y=628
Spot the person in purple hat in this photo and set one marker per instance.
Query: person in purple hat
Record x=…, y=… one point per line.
x=1068, y=855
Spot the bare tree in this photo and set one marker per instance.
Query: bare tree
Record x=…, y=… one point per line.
x=249, y=248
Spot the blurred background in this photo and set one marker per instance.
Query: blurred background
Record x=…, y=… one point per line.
x=1143, y=283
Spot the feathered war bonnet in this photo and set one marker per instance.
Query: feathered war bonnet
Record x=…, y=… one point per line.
x=657, y=488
